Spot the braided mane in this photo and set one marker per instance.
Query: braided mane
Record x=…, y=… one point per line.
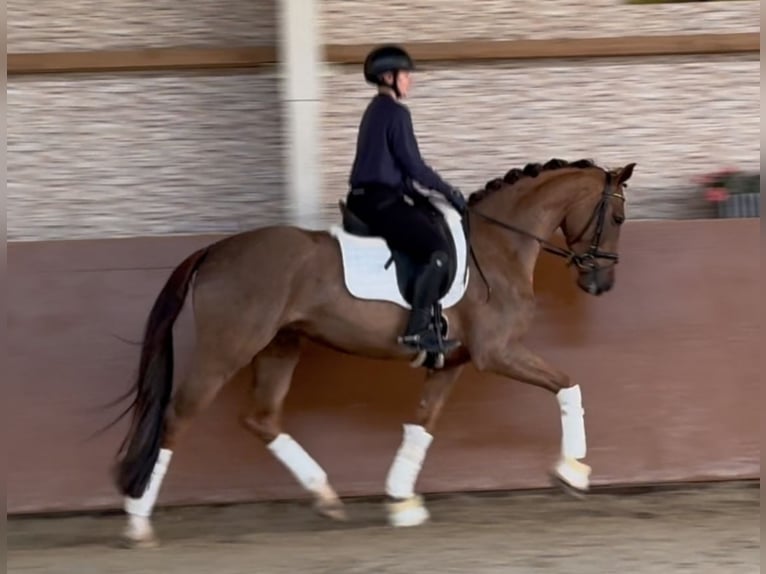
x=529, y=170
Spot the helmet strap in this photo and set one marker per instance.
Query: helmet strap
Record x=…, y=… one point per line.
x=395, y=85
x=391, y=86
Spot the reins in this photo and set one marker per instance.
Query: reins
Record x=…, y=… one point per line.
x=584, y=261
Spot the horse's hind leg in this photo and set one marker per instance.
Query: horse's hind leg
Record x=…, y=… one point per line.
x=405, y=507
x=200, y=388
x=273, y=370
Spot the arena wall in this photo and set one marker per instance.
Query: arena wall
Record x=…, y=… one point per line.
x=667, y=363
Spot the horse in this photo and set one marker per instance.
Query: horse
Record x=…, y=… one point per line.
x=256, y=294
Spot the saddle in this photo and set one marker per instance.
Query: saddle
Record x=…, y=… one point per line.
x=406, y=268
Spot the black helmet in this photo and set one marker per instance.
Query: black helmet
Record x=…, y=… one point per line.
x=386, y=59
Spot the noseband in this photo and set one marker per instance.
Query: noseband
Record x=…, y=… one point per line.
x=587, y=261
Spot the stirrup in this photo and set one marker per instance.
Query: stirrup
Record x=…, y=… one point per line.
x=434, y=332
x=437, y=346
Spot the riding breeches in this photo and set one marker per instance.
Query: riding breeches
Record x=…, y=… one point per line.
x=404, y=226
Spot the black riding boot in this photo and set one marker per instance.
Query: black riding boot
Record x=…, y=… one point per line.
x=421, y=331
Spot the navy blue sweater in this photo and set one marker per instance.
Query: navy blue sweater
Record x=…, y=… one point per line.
x=387, y=152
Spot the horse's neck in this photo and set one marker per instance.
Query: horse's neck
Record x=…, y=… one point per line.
x=539, y=210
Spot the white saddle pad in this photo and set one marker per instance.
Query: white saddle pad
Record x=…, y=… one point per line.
x=364, y=260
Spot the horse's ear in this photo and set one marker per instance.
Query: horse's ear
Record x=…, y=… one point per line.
x=625, y=173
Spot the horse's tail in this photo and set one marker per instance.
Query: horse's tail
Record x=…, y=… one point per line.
x=154, y=384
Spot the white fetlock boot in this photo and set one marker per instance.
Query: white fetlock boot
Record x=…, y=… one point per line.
x=139, y=532
x=569, y=472
x=407, y=508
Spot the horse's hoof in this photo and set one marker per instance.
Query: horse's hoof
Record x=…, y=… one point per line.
x=409, y=512
x=139, y=534
x=567, y=488
x=332, y=509
x=132, y=543
x=572, y=476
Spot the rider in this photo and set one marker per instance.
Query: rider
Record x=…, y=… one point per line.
x=387, y=160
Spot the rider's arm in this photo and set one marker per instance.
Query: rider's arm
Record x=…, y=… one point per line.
x=405, y=149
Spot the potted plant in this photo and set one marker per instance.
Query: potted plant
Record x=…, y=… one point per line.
x=734, y=193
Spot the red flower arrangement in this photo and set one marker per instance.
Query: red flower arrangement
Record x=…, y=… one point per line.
x=717, y=186
x=733, y=192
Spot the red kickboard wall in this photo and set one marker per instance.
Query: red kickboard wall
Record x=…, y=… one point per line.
x=667, y=363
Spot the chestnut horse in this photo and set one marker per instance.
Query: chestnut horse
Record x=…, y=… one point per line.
x=257, y=293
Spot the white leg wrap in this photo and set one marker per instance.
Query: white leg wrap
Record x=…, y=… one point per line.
x=400, y=482
x=304, y=468
x=572, y=423
x=143, y=506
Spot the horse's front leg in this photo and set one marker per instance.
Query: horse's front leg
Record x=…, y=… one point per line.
x=517, y=362
x=405, y=508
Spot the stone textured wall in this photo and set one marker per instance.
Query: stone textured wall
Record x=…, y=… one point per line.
x=142, y=154
x=53, y=25
x=110, y=155
x=676, y=116
x=361, y=21
x=134, y=154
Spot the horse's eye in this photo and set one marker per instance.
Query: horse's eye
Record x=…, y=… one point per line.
x=618, y=219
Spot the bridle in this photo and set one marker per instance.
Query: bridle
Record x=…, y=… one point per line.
x=586, y=262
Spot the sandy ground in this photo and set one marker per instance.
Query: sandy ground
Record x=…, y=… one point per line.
x=714, y=529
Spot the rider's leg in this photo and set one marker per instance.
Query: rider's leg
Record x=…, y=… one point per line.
x=420, y=332
x=412, y=230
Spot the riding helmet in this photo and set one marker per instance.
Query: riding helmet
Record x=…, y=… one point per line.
x=389, y=58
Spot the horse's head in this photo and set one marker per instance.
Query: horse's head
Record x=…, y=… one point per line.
x=592, y=230
x=585, y=201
